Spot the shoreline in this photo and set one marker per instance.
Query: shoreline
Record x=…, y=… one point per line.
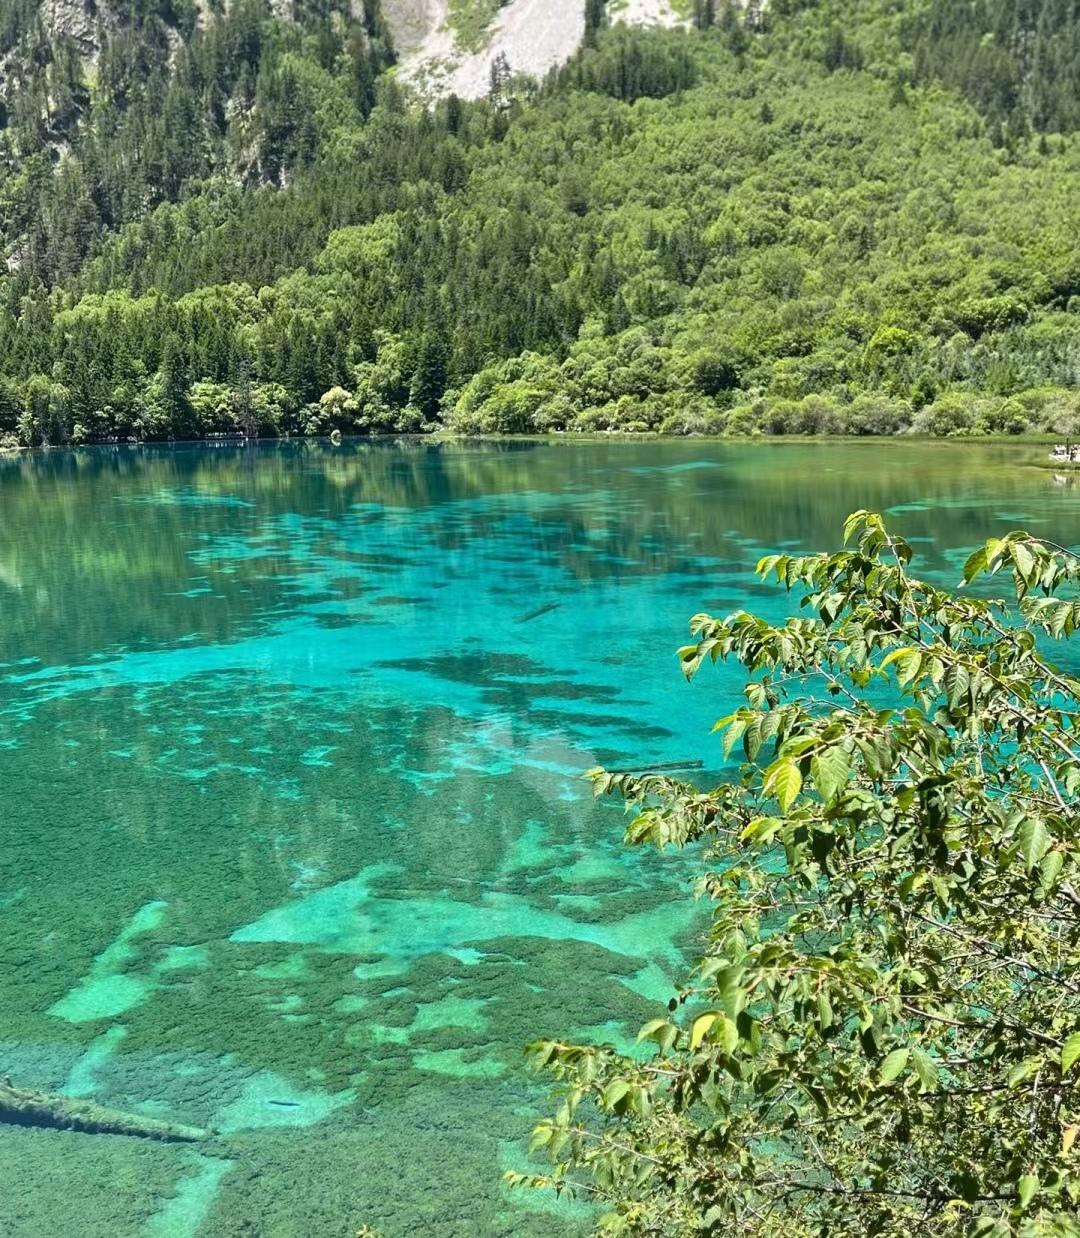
x=559, y=437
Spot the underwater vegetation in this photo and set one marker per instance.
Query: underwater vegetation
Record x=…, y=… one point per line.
x=296, y=845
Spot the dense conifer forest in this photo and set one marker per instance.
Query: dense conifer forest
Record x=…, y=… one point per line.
x=849, y=216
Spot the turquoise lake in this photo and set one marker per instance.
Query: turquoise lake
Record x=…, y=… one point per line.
x=295, y=844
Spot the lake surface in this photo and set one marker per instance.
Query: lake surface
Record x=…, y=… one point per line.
x=295, y=843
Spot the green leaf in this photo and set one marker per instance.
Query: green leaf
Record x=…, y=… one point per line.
x=725, y=1033
x=893, y=1064
x=898, y=655
x=785, y=782
x=615, y=1091
x=829, y=769
x=975, y=565
x=755, y=693
x=1024, y=560
x=1070, y=1052
x=941, y=889
x=660, y=1030
x=825, y=1011
x=1034, y=840
x=700, y=1027
x=732, y=735
x=716, y=1026
x=956, y=683
x=908, y=669
x=761, y=829
x=1022, y=1070
x=1026, y=1189
x=926, y=1069
x=908, y=664
x=1049, y=869
x=852, y=523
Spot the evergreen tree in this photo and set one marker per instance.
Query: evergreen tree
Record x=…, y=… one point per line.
x=430, y=375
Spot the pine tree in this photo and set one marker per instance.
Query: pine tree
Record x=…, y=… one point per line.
x=595, y=20
x=429, y=376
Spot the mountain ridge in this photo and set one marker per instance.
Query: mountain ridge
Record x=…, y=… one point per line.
x=757, y=223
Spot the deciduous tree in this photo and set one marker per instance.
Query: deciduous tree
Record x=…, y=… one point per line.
x=882, y=1035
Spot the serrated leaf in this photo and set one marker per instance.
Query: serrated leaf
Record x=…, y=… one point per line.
x=975, y=564
x=852, y=523
x=1024, y=560
x=614, y=1092
x=1022, y=1070
x=756, y=695
x=956, y=683
x=941, y=889
x=893, y=1064
x=1034, y=839
x=898, y=655
x=656, y=1029
x=725, y=1033
x=761, y=829
x=732, y=735
x=925, y=1068
x=829, y=769
x=640, y=1102
x=785, y=782
x=1050, y=868
x=909, y=669
x=908, y=664
x=825, y=1012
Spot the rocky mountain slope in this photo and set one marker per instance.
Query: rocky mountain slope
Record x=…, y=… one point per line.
x=445, y=46
x=449, y=46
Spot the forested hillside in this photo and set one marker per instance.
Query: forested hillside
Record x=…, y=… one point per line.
x=1019, y=62
x=814, y=219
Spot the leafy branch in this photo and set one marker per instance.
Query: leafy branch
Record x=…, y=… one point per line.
x=883, y=1031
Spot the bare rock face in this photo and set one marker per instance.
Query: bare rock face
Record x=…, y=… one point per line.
x=85, y=21
x=529, y=36
x=411, y=21
x=77, y=19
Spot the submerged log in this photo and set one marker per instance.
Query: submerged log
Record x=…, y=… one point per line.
x=530, y=615
x=22, y=1107
x=660, y=767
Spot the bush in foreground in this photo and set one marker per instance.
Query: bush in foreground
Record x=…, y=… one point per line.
x=883, y=1034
